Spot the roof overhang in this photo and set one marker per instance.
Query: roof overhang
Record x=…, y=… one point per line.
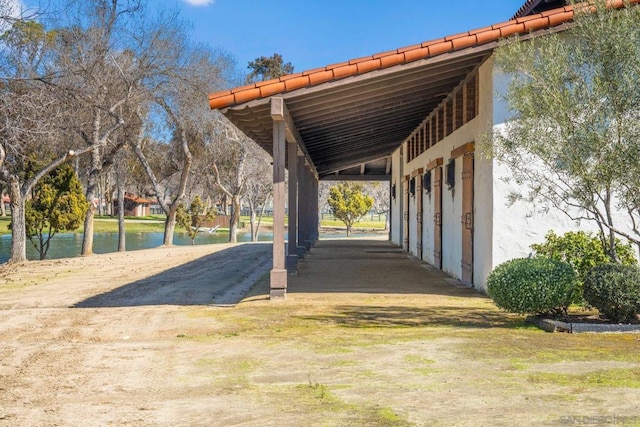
x=348, y=118
x=350, y=127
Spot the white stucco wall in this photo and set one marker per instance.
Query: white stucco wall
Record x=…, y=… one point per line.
x=452, y=200
x=517, y=226
x=502, y=231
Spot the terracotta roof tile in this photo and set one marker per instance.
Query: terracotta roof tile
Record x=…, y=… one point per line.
x=488, y=36
x=434, y=41
x=370, y=65
x=559, y=18
x=407, y=48
x=526, y=18
x=357, y=60
x=272, y=89
x=462, y=42
x=217, y=101
x=538, y=22
x=345, y=71
x=247, y=95
x=502, y=24
x=267, y=82
x=546, y=19
x=290, y=76
x=297, y=82
x=457, y=36
x=315, y=70
x=339, y=64
x=320, y=77
x=243, y=88
x=416, y=54
x=384, y=54
x=440, y=48
x=511, y=30
x=480, y=30
x=392, y=60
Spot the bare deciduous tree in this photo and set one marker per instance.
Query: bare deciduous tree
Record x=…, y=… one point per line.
x=30, y=113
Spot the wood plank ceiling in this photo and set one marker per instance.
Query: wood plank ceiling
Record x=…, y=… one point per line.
x=351, y=127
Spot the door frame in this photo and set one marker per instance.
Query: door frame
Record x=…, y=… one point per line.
x=466, y=151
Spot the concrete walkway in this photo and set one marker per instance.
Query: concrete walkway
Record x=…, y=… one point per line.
x=370, y=266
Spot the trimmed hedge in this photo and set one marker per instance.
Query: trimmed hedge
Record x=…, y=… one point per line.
x=532, y=286
x=614, y=290
x=582, y=251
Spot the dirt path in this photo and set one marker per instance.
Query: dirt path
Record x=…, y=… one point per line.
x=81, y=337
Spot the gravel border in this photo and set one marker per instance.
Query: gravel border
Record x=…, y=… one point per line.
x=551, y=325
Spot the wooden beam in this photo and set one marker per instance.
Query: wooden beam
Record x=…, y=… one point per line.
x=462, y=150
x=279, y=112
x=417, y=172
x=434, y=163
x=387, y=168
x=356, y=178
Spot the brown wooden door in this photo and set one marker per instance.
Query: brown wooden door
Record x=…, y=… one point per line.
x=405, y=214
x=419, y=213
x=437, y=217
x=467, y=218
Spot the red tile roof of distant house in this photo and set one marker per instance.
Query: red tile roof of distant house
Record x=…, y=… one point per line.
x=478, y=37
x=137, y=200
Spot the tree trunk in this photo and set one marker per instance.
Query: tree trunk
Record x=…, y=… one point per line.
x=3, y=210
x=170, y=226
x=235, y=217
x=252, y=221
x=87, y=237
x=121, y=230
x=92, y=184
x=18, y=223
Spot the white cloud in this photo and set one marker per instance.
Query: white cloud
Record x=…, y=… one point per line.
x=198, y=2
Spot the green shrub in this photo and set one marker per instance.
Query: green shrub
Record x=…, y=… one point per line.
x=532, y=285
x=582, y=251
x=614, y=290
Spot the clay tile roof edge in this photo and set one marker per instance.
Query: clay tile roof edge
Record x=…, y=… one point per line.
x=403, y=55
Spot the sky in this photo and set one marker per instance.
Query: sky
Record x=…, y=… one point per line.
x=314, y=33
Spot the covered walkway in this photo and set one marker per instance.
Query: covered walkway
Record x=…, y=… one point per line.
x=371, y=266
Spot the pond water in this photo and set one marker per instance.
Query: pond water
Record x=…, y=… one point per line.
x=68, y=245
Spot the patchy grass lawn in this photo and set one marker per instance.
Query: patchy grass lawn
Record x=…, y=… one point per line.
x=436, y=360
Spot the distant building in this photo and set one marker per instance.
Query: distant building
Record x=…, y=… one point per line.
x=134, y=206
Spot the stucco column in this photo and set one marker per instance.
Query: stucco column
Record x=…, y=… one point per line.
x=278, y=278
x=292, y=246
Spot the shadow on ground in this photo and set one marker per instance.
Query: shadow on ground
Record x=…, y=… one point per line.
x=411, y=316
x=371, y=267
x=220, y=278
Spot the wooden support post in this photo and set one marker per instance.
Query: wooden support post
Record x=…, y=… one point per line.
x=278, y=278
x=315, y=215
x=292, y=246
x=308, y=211
x=302, y=179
